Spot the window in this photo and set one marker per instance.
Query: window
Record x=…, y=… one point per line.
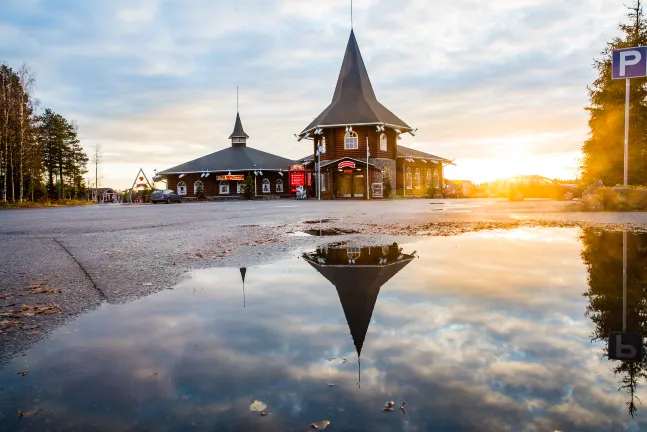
x=351, y=141
x=428, y=180
x=181, y=188
x=239, y=186
x=418, y=182
x=383, y=146
x=238, y=140
x=408, y=179
x=353, y=252
x=279, y=185
x=197, y=186
x=224, y=187
x=323, y=144
x=266, y=186
x=436, y=179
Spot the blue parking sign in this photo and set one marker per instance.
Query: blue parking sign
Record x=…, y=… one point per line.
x=629, y=63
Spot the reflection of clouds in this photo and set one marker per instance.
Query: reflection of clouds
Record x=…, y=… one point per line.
x=467, y=353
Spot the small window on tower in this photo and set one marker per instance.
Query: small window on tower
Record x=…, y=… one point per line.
x=383, y=146
x=323, y=144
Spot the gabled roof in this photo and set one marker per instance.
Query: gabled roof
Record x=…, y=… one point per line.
x=354, y=101
x=234, y=159
x=406, y=151
x=238, y=129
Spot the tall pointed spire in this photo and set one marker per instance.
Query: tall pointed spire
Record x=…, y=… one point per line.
x=238, y=136
x=354, y=101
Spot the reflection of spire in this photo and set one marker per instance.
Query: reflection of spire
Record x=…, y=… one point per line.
x=358, y=285
x=243, y=272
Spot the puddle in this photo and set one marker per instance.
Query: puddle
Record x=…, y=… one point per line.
x=494, y=330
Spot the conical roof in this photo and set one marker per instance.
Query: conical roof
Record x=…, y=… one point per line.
x=354, y=101
x=359, y=285
x=238, y=129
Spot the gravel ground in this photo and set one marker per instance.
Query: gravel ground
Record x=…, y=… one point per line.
x=74, y=259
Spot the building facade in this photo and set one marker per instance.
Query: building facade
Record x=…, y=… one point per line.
x=355, y=141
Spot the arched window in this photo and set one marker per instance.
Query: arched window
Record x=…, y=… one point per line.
x=224, y=187
x=436, y=179
x=353, y=252
x=323, y=144
x=239, y=186
x=351, y=141
x=279, y=186
x=409, y=179
x=428, y=179
x=266, y=185
x=181, y=188
x=383, y=146
x=197, y=187
x=418, y=181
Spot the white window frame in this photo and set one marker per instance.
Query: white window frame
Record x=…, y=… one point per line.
x=408, y=179
x=351, y=141
x=383, y=143
x=418, y=178
x=279, y=186
x=195, y=187
x=181, y=188
x=436, y=178
x=428, y=179
x=223, y=188
x=353, y=252
x=266, y=182
x=323, y=144
x=239, y=185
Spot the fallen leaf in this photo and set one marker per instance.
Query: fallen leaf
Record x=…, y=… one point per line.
x=27, y=413
x=337, y=360
x=173, y=262
x=402, y=406
x=23, y=373
x=388, y=409
x=321, y=425
x=257, y=406
x=34, y=332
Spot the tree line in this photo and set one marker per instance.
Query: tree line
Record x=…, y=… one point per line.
x=603, y=152
x=40, y=153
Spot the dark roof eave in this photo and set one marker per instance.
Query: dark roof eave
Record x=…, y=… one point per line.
x=403, y=128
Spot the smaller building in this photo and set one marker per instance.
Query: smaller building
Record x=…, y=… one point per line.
x=222, y=174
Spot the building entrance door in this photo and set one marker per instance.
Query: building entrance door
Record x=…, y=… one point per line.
x=346, y=186
x=358, y=186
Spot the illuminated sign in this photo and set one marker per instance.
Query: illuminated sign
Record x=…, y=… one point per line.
x=346, y=164
x=297, y=168
x=297, y=178
x=348, y=171
x=238, y=177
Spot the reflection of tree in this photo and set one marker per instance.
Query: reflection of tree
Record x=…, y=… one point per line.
x=602, y=254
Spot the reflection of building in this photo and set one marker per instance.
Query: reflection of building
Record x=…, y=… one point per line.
x=221, y=174
x=358, y=273
x=355, y=120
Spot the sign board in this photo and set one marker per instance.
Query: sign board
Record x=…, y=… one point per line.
x=297, y=178
x=348, y=171
x=625, y=346
x=238, y=177
x=346, y=164
x=297, y=168
x=629, y=63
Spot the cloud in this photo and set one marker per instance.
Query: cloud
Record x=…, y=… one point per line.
x=471, y=75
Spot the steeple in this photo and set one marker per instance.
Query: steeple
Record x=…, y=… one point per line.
x=354, y=101
x=238, y=137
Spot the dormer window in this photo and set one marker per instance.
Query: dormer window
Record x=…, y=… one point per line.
x=238, y=140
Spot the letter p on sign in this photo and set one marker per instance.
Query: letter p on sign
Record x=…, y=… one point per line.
x=629, y=63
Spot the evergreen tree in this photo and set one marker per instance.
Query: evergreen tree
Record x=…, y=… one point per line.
x=248, y=187
x=603, y=151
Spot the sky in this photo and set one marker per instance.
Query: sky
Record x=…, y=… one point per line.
x=498, y=86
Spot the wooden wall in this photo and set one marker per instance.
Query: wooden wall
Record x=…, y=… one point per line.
x=212, y=186
x=423, y=167
x=335, y=143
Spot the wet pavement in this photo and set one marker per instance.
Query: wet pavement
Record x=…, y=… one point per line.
x=483, y=331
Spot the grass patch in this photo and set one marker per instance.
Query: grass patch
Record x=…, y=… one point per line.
x=45, y=203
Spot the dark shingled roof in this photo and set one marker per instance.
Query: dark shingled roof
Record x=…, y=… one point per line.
x=235, y=159
x=406, y=151
x=354, y=101
x=238, y=129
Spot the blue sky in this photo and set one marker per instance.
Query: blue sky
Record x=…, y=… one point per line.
x=499, y=86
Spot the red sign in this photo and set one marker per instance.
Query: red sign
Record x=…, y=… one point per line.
x=297, y=168
x=346, y=164
x=297, y=178
x=348, y=171
x=238, y=177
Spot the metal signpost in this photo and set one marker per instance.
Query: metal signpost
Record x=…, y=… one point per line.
x=628, y=63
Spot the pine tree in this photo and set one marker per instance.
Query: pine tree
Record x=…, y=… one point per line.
x=604, y=150
x=248, y=187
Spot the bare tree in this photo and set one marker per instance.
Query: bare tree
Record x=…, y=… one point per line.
x=26, y=77
x=5, y=128
x=96, y=160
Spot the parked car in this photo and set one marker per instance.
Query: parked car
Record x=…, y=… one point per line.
x=535, y=186
x=168, y=196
